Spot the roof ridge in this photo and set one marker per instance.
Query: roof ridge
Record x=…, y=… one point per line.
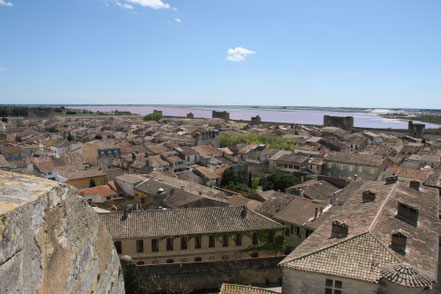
x=261, y=215
x=374, y=223
x=386, y=247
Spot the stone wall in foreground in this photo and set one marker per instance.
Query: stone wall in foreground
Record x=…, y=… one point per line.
x=51, y=241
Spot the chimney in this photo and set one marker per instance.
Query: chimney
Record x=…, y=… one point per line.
x=243, y=213
x=125, y=215
x=391, y=180
x=316, y=213
x=301, y=193
x=415, y=185
x=321, y=210
x=355, y=177
x=172, y=192
x=182, y=187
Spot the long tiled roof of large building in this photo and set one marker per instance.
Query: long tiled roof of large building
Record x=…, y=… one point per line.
x=243, y=289
x=365, y=250
x=178, y=222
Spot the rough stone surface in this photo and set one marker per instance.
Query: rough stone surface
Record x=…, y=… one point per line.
x=51, y=241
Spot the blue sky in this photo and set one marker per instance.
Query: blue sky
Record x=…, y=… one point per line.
x=366, y=53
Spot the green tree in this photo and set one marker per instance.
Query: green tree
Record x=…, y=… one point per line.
x=153, y=116
x=53, y=129
x=133, y=281
x=279, y=181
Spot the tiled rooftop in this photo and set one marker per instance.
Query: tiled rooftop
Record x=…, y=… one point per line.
x=188, y=221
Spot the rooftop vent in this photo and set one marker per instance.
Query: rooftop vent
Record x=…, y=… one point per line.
x=398, y=243
x=391, y=180
x=415, y=185
x=339, y=230
x=368, y=196
x=407, y=214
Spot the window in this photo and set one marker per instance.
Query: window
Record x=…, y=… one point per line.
x=84, y=185
x=333, y=287
x=155, y=245
x=254, y=254
x=350, y=167
x=255, y=239
x=198, y=259
x=140, y=263
x=287, y=232
x=76, y=185
x=271, y=237
x=100, y=182
x=238, y=239
x=360, y=169
x=307, y=233
x=340, y=166
x=169, y=246
x=197, y=242
x=225, y=241
x=109, y=152
x=372, y=170
x=139, y=246
x=118, y=246
x=292, y=229
x=170, y=261
x=298, y=231
x=184, y=243
x=211, y=241
x=329, y=164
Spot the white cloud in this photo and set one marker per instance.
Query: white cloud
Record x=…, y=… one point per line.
x=5, y=3
x=155, y=4
x=238, y=54
x=178, y=20
x=174, y=9
x=1, y=68
x=124, y=5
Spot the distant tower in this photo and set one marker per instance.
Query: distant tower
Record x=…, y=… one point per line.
x=416, y=130
x=221, y=114
x=255, y=120
x=342, y=122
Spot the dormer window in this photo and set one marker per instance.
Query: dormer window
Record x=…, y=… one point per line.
x=398, y=243
x=407, y=214
x=339, y=230
x=368, y=196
